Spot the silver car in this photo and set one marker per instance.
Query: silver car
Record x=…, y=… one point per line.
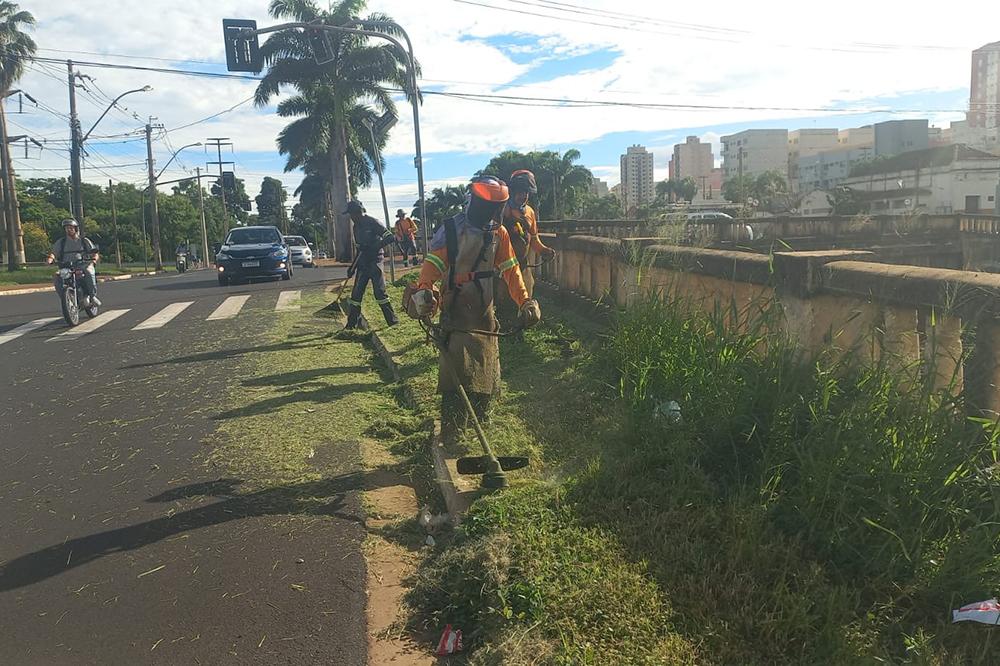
x=301, y=252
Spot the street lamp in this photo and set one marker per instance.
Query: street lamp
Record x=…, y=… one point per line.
x=77, y=142
x=174, y=156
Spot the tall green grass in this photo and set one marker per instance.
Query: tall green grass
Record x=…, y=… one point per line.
x=882, y=486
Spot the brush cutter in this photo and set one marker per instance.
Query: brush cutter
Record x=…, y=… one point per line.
x=491, y=467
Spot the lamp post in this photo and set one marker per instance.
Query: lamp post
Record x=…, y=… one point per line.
x=76, y=147
x=157, y=255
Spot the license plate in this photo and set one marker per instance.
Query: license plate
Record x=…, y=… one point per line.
x=251, y=264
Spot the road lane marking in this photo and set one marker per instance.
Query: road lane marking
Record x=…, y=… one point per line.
x=163, y=317
x=288, y=300
x=13, y=334
x=89, y=326
x=229, y=308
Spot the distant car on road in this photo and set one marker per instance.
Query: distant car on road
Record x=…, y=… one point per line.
x=705, y=215
x=302, y=254
x=253, y=252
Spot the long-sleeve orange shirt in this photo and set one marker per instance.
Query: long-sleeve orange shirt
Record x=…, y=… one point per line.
x=530, y=221
x=405, y=228
x=436, y=265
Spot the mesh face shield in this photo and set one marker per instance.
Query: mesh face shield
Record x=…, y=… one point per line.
x=484, y=214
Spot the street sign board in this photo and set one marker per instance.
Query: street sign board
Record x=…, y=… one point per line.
x=242, y=46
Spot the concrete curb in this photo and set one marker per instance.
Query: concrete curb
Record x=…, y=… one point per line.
x=458, y=492
x=48, y=287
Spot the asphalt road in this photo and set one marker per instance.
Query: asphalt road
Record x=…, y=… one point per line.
x=118, y=545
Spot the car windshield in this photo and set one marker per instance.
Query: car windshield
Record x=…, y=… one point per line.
x=253, y=236
x=295, y=241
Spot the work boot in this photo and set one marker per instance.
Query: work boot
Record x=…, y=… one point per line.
x=390, y=316
x=353, y=317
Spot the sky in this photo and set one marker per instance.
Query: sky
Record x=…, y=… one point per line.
x=640, y=72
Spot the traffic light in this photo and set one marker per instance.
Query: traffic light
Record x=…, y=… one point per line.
x=229, y=180
x=322, y=45
x=242, y=46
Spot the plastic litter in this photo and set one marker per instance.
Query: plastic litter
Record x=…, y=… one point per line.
x=670, y=411
x=431, y=522
x=450, y=643
x=984, y=612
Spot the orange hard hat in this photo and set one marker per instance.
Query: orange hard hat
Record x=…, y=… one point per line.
x=490, y=188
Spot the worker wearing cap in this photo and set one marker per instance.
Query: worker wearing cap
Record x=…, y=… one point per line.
x=467, y=254
x=370, y=237
x=406, y=234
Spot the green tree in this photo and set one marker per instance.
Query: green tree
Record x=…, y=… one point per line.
x=16, y=48
x=560, y=181
x=665, y=190
x=36, y=241
x=329, y=96
x=271, y=203
x=845, y=201
x=592, y=207
x=443, y=202
x=237, y=199
x=687, y=189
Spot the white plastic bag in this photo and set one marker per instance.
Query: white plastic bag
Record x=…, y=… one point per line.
x=985, y=612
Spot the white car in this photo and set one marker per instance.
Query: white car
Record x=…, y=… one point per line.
x=707, y=215
x=301, y=252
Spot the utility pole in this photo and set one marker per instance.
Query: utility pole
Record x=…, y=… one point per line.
x=218, y=143
x=204, y=229
x=114, y=222
x=145, y=256
x=154, y=211
x=15, y=241
x=75, y=148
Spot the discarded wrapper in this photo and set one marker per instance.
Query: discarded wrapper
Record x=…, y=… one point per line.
x=986, y=612
x=450, y=643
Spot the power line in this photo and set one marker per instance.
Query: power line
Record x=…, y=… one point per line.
x=214, y=115
x=160, y=70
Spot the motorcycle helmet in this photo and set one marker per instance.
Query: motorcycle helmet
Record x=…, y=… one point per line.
x=70, y=222
x=523, y=180
x=487, y=195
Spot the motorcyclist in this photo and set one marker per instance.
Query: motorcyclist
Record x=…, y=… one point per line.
x=466, y=254
x=73, y=247
x=371, y=237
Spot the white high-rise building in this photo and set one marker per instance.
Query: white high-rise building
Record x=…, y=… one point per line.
x=984, y=93
x=754, y=151
x=637, y=183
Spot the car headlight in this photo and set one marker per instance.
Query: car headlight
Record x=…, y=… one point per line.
x=222, y=256
x=278, y=254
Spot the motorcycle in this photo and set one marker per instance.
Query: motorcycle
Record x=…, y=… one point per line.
x=181, y=263
x=71, y=276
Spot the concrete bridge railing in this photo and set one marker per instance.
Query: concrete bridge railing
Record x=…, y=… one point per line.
x=943, y=324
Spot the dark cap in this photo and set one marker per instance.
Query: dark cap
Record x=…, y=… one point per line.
x=354, y=207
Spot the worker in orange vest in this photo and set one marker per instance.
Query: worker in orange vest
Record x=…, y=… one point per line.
x=467, y=254
x=406, y=235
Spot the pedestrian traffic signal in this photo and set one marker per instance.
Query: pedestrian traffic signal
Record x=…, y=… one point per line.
x=242, y=46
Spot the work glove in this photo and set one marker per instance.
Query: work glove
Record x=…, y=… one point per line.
x=529, y=314
x=424, y=304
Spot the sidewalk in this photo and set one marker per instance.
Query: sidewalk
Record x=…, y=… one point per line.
x=40, y=287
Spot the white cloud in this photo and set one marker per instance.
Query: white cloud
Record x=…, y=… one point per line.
x=783, y=59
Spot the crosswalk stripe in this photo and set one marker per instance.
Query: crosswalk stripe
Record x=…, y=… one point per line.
x=164, y=316
x=89, y=326
x=229, y=308
x=15, y=333
x=288, y=300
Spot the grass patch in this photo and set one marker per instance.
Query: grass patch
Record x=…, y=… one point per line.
x=43, y=274
x=800, y=512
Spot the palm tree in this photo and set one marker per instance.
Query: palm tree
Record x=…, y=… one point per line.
x=568, y=178
x=16, y=48
x=443, y=202
x=329, y=95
